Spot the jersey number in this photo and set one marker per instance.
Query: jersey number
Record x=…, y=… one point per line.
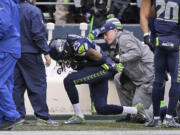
x=167, y=11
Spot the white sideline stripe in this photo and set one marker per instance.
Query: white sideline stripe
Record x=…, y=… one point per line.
x=131, y=132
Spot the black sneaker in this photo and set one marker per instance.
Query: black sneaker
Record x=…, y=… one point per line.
x=8, y=125
x=170, y=123
x=153, y=123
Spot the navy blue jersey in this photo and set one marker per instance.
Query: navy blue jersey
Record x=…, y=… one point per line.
x=82, y=45
x=167, y=19
x=80, y=48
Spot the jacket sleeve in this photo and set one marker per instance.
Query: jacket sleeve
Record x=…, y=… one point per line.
x=5, y=18
x=39, y=32
x=129, y=48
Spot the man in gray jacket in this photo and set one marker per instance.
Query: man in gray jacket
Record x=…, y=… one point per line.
x=134, y=84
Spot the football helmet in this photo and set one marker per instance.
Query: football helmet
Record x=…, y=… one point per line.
x=60, y=49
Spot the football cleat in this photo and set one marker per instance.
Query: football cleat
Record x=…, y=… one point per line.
x=74, y=120
x=141, y=114
x=170, y=122
x=49, y=122
x=153, y=123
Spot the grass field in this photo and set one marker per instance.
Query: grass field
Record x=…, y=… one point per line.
x=90, y=125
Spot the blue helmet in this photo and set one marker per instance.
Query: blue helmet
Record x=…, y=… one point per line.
x=56, y=48
x=60, y=49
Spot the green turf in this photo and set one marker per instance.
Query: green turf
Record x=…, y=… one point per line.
x=90, y=125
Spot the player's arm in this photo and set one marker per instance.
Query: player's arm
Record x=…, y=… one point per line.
x=83, y=47
x=93, y=54
x=106, y=61
x=144, y=15
x=146, y=11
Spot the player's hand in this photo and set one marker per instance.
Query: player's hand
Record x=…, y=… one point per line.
x=119, y=67
x=95, y=33
x=147, y=40
x=48, y=60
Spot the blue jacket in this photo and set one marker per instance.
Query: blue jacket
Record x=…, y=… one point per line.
x=33, y=31
x=9, y=27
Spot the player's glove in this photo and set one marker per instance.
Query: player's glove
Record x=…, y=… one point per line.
x=147, y=40
x=95, y=33
x=119, y=67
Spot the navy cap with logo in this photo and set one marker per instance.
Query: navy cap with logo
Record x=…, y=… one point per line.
x=107, y=26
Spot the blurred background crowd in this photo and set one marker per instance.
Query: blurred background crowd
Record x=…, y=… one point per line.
x=127, y=11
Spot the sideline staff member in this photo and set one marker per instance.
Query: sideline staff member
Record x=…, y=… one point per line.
x=30, y=70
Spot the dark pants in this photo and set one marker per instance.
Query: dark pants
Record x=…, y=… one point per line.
x=97, y=78
x=166, y=59
x=30, y=74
